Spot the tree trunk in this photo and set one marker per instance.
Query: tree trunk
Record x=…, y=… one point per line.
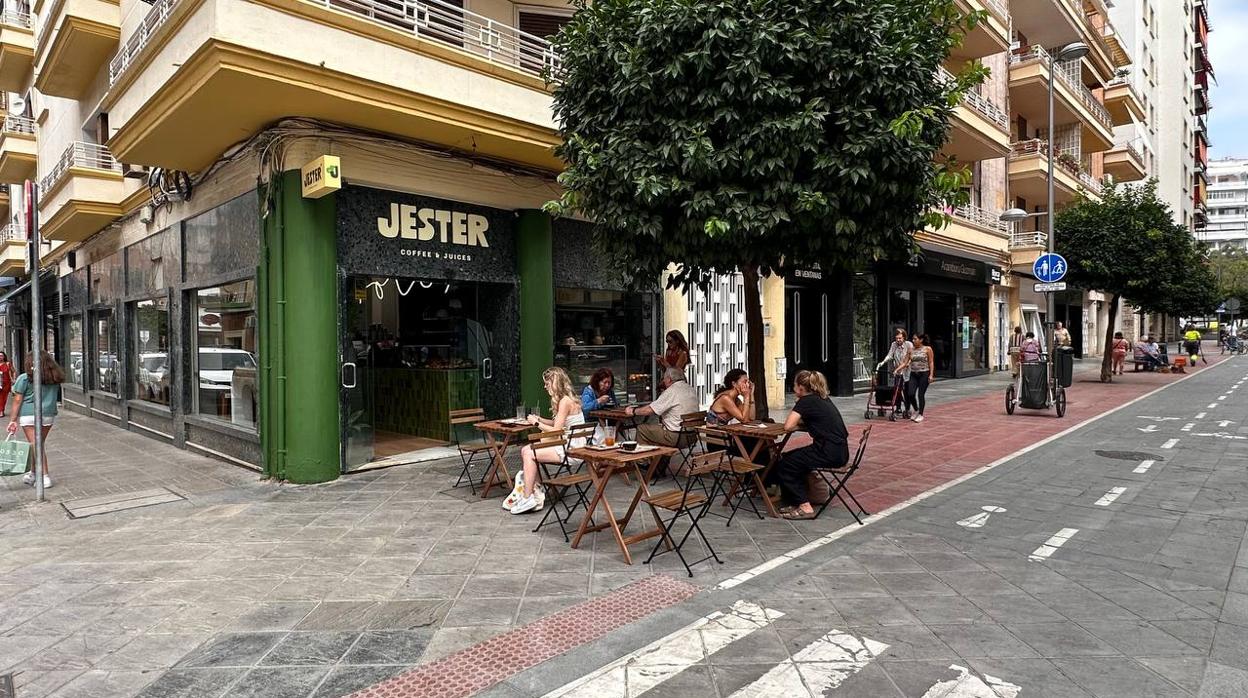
x=1107, y=357
x=756, y=360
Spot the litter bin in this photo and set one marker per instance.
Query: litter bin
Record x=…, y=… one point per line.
x=1064, y=365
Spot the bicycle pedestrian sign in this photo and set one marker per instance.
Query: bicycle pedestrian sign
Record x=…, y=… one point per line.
x=1049, y=267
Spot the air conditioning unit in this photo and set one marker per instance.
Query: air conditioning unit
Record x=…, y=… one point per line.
x=134, y=171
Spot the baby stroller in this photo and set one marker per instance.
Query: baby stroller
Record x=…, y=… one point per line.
x=1234, y=344
x=885, y=396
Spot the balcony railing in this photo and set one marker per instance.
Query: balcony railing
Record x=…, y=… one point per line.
x=15, y=18
x=494, y=41
x=79, y=154
x=999, y=8
x=1029, y=238
x=18, y=124
x=980, y=104
x=1131, y=150
x=13, y=231
x=981, y=217
x=1090, y=183
x=1069, y=75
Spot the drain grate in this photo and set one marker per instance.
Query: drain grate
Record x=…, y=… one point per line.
x=109, y=503
x=6, y=686
x=1128, y=455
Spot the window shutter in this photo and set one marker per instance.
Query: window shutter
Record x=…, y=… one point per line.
x=542, y=24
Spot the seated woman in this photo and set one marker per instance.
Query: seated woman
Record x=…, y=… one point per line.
x=567, y=413
x=600, y=393
x=816, y=414
x=733, y=403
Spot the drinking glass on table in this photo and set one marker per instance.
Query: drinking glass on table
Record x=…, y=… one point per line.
x=608, y=438
x=522, y=413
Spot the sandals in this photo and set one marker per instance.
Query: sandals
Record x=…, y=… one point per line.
x=796, y=514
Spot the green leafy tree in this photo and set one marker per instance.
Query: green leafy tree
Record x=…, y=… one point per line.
x=757, y=135
x=1230, y=270
x=1129, y=246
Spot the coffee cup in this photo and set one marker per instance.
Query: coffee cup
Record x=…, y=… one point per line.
x=628, y=445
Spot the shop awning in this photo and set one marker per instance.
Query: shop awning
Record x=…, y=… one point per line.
x=48, y=274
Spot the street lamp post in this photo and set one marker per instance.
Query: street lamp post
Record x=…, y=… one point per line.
x=1069, y=52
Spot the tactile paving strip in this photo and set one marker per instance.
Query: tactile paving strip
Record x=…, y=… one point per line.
x=478, y=667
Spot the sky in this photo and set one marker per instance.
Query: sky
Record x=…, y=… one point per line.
x=1228, y=120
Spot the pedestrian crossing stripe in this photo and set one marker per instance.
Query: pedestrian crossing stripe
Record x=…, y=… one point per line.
x=968, y=685
x=822, y=665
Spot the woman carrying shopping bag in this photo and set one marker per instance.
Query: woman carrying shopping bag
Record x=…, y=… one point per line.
x=23, y=410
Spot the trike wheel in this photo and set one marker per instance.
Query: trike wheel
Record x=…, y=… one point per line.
x=1060, y=401
x=1009, y=400
x=892, y=416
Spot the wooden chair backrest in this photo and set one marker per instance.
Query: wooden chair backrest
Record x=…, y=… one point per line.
x=713, y=437
x=467, y=416
x=704, y=463
x=862, y=447
x=546, y=439
x=693, y=420
x=582, y=431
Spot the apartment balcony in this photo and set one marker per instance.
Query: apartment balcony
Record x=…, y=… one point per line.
x=81, y=194
x=1106, y=53
x=1029, y=175
x=4, y=203
x=1125, y=163
x=76, y=38
x=17, y=149
x=1027, y=245
x=13, y=249
x=1030, y=71
x=1048, y=22
x=989, y=37
x=979, y=130
x=17, y=49
x=973, y=230
x=1123, y=103
x=199, y=75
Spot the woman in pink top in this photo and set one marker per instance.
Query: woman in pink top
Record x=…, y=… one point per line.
x=1119, y=353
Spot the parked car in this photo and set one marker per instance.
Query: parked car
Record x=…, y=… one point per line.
x=217, y=365
x=154, y=376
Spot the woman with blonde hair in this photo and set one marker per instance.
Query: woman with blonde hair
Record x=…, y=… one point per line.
x=815, y=414
x=51, y=376
x=565, y=408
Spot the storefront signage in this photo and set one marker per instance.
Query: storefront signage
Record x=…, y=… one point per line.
x=401, y=235
x=994, y=275
x=953, y=267
x=808, y=274
x=321, y=176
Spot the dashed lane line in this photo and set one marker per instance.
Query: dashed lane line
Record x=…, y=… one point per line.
x=1110, y=496
x=1170, y=443
x=1143, y=467
x=1050, y=546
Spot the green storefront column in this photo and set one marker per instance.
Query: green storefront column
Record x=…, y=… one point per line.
x=298, y=285
x=534, y=246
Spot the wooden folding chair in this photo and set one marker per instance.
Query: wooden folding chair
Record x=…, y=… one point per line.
x=687, y=503
x=468, y=450
x=582, y=434
x=838, y=479
x=745, y=477
x=690, y=426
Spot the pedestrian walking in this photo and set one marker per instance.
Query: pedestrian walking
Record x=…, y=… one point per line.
x=23, y=410
x=815, y=414
x=677, y=353
x=922, y=366
x=897, y=353
x=1191, y=344
x=6, y=380
x=1061, y=335
x=1016, y=349
x=1118, y=357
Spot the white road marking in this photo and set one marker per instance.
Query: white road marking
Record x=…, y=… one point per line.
x=1225, y=423
x=1200, y=415
x=1188, y=426
x=767, y=566
x=822, y=665
x=1052, y=544
x=978, y=520
x=1225, y=435
x=638, y=672
x=1144, y=466
x=1212, y=405
x=1170, y=443
x=968, y=685
x=1148, y=429
x=1156, y=419
x=1110, y=496
x=1221, y=397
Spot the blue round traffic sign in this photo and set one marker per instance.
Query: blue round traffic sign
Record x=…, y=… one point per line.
x=1049, y=267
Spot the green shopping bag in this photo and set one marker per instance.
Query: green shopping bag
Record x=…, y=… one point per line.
x=14, y=456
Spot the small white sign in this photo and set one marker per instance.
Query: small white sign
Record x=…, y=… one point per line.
x=1049, y=288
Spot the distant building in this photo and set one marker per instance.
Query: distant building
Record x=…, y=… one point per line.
x=1228, y=204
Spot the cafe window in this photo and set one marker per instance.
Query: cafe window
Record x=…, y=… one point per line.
x=605, y=329
x=225, y=352
x=106, y=367
x=72, y=357
x=152, y=367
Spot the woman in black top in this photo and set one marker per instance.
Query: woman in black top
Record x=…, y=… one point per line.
x=815, y=414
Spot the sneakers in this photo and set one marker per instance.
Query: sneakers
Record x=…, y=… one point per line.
x=516, y=494
x=29, y=478
x=533, y=502
x=918, y=418
x=47, y=481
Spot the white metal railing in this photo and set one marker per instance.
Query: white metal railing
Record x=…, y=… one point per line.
x=13, y=231
x=1130, y=150
x=1029, y=238
x=1068, y=73
x=495, y=41
x=981, y=217
x=1089, y=182
x=15, y=18
x=980, y=103
x=79, y=154
x=18, y=124
x=999, y=7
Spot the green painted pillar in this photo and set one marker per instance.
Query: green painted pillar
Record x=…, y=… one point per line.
x=534, y=247
x=298, y=281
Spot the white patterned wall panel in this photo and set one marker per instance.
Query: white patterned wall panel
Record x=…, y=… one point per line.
x=716, y=332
